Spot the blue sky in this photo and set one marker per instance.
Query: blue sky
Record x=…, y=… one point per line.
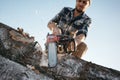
x=103, y=38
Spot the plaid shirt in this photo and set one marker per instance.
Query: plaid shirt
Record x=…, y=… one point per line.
x=69, y=24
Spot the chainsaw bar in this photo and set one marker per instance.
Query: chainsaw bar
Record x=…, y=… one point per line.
x=52, y=54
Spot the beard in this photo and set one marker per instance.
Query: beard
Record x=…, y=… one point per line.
x=78, y=10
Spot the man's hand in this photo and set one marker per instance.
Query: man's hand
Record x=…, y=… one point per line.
x=55, y=30
x=71, y=46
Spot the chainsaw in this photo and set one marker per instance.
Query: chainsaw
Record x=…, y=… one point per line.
x=56, y=44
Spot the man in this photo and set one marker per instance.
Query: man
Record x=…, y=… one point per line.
x=73, y=22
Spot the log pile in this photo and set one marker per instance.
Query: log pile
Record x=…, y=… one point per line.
x=21, y=58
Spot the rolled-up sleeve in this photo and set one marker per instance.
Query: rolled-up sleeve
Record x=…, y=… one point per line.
x=84, y=27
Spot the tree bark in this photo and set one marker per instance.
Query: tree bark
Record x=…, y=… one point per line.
x=10, y=70
x=72, y=68
x=18, y=47
x=23, y=50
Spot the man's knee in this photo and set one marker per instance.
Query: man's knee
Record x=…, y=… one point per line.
x=81, y=49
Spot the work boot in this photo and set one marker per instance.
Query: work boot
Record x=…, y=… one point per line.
x=81, y=49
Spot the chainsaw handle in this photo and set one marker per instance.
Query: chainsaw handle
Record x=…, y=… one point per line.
x=63, y=40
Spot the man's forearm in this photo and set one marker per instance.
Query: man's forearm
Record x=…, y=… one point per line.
x=80, y=38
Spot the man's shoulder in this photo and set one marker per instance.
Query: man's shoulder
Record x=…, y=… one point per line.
x=67, y=8
x=87, y=19
x=86, y=16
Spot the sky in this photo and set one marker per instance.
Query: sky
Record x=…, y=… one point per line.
x=103, y=38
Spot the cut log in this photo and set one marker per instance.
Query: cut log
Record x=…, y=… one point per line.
x=17, y=47
x=72, y=68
